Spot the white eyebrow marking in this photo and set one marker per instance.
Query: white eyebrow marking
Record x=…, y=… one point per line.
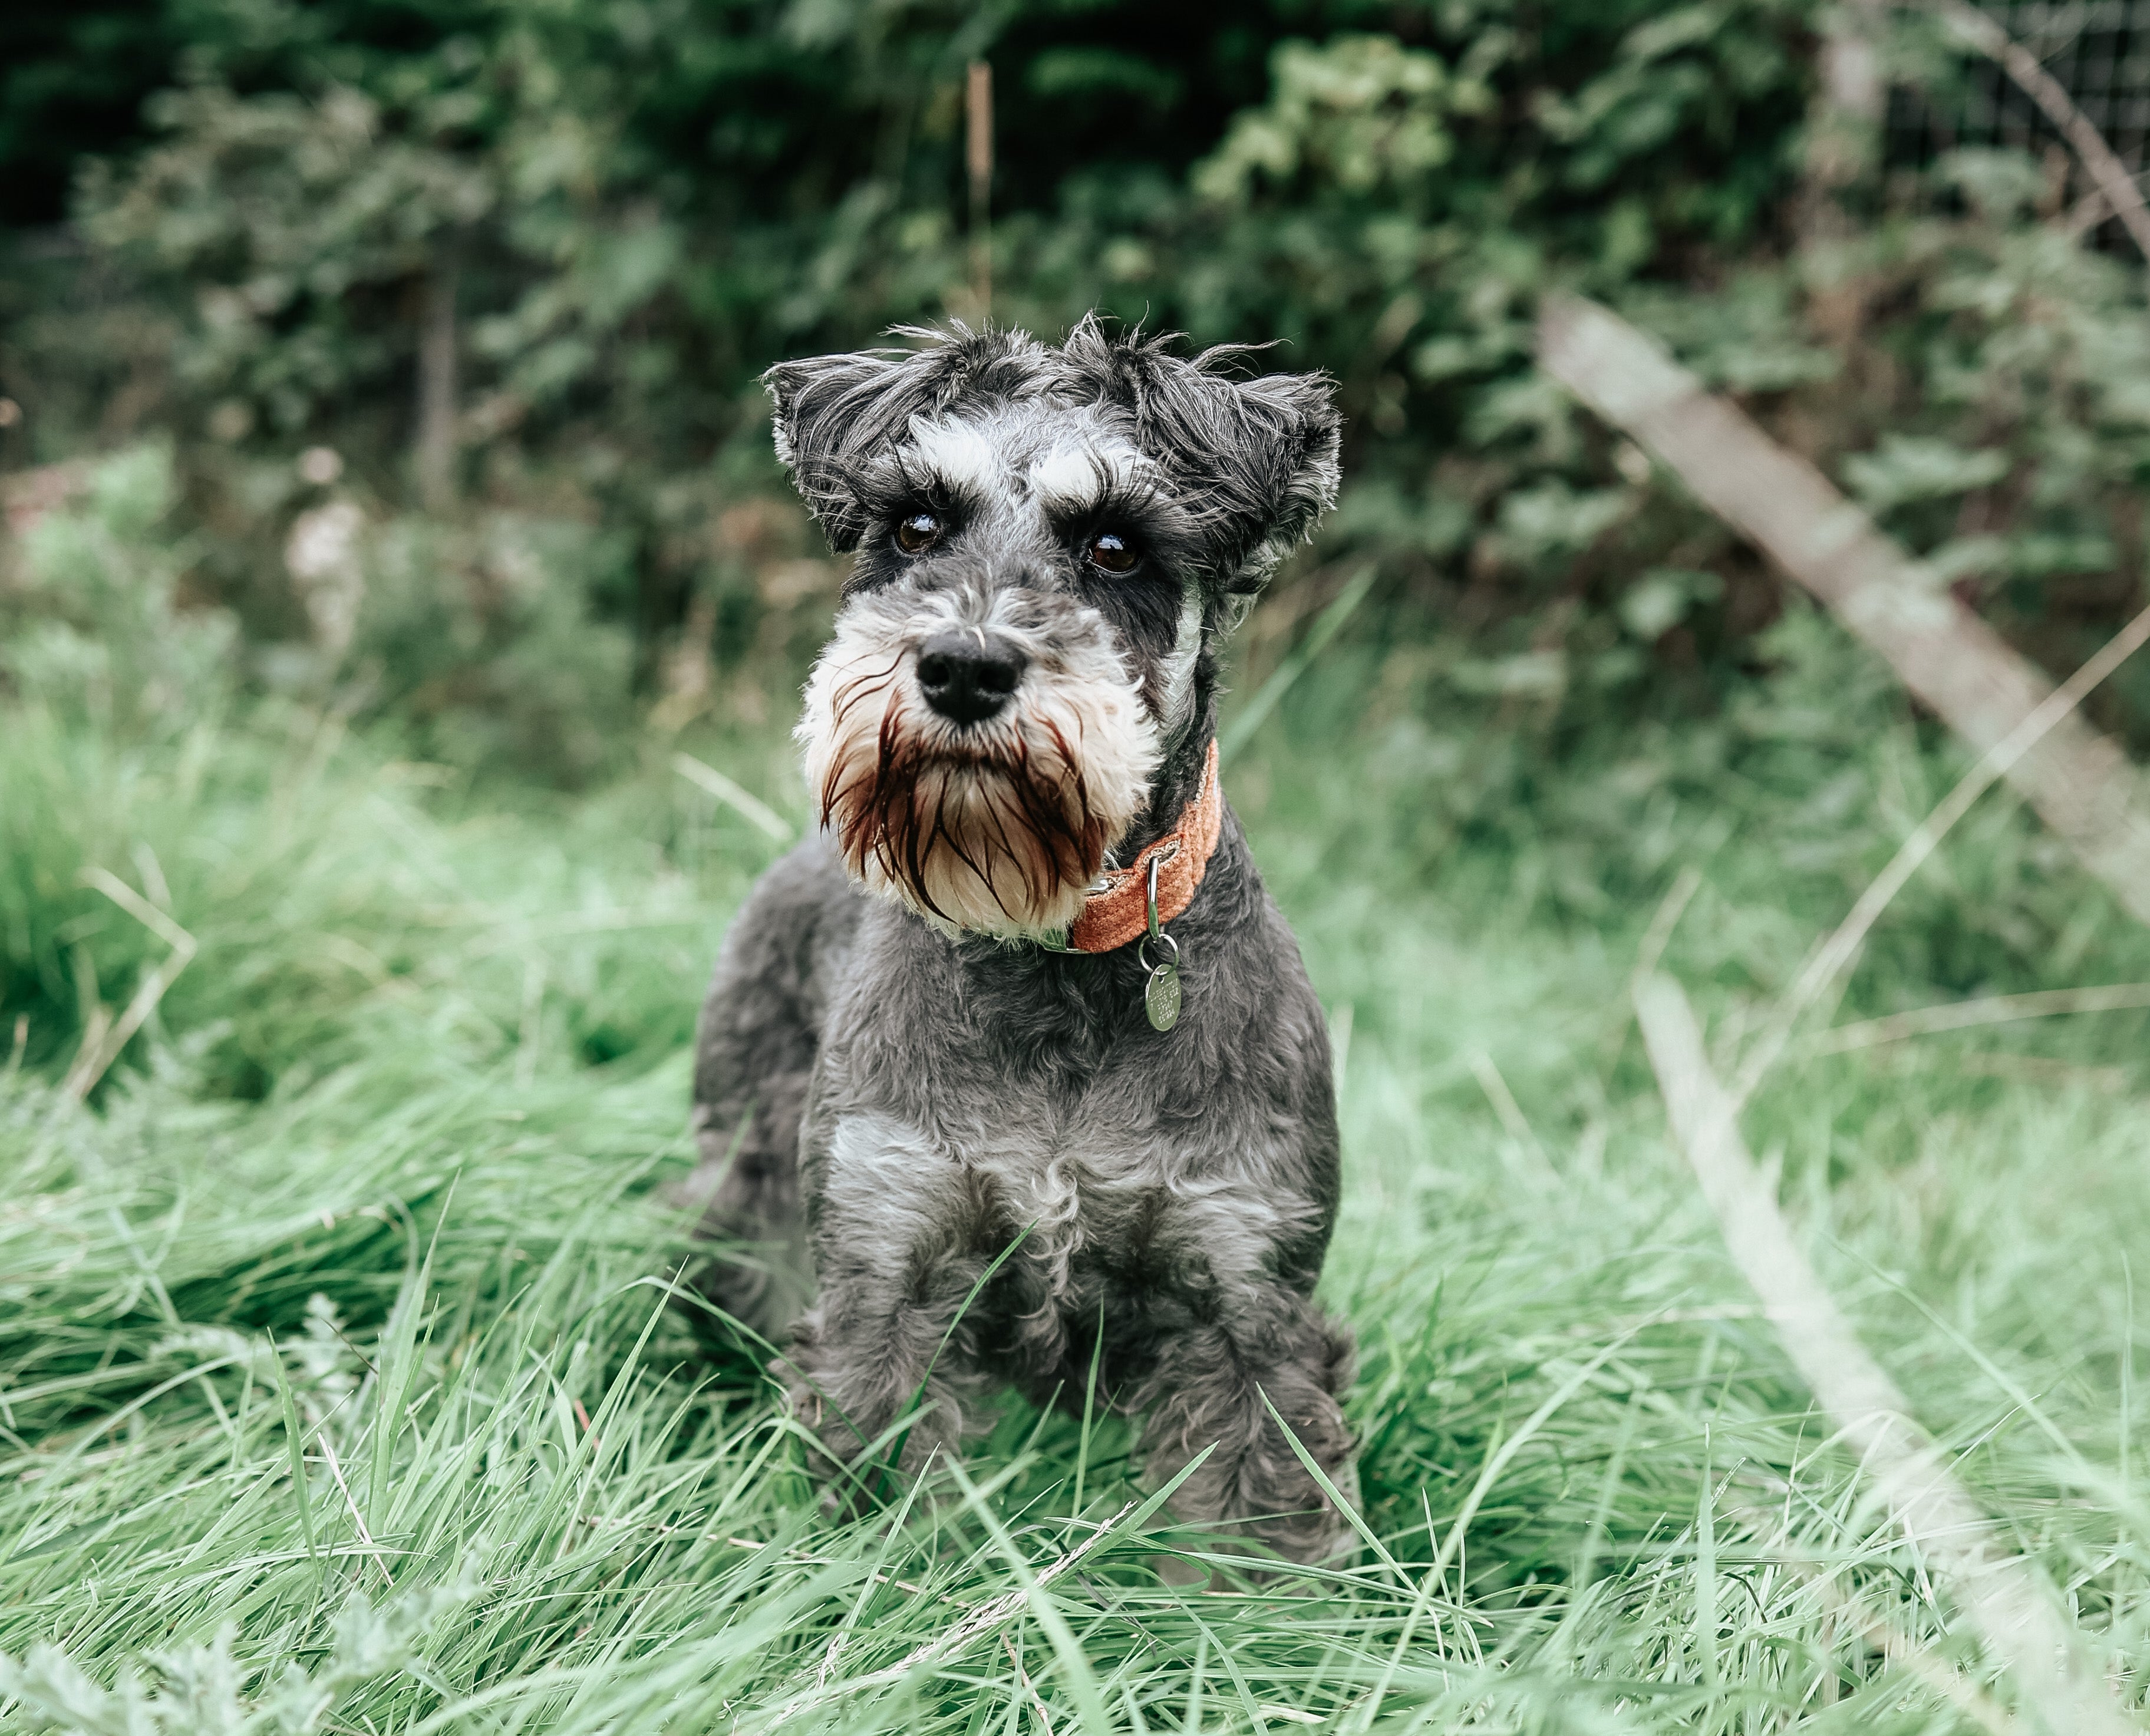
x=958, y=454
x=1072, y=476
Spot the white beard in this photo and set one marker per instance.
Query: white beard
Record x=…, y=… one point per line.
x=1000, y=827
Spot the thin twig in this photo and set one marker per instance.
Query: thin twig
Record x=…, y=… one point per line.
x=982, y=1620
x=2003, y=1595
x=1829, y=959
x=1531, y=1156
x=1022, y=1677
x=1237, y=734
x=85, y=1065
x=791, y=1556
x=97, y=1057
x=734, y=795
x=2106, y=169
x=2042, y=1070
x=1969, y=1015
x=357, y=1518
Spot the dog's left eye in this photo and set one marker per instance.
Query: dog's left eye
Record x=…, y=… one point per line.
x=1112, y=552
x=918, y=532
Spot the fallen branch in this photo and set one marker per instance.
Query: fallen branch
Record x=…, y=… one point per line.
x=2003, y=1595
x=2079, y=781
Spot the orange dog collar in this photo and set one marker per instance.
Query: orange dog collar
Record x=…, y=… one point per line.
x=1119, y=910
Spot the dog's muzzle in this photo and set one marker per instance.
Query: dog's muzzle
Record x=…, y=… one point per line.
x=976, y=769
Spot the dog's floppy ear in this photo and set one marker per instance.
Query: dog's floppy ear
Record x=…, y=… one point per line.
x=1256, y=456
x=1288, y=455
x=830, y=412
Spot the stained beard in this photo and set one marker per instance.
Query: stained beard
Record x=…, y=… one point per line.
x=999, y=828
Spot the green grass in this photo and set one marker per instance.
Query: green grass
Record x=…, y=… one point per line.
x=338, y=1391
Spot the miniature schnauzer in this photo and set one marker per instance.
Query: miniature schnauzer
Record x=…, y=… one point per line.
x=977, y=1113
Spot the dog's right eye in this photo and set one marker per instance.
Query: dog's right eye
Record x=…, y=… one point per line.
x=918, y=532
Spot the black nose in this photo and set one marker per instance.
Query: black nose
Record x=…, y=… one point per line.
x=968, y=676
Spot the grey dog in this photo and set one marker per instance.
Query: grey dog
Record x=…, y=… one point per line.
x=910, y=1063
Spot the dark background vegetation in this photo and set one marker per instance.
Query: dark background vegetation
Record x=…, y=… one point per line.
x=232, y=224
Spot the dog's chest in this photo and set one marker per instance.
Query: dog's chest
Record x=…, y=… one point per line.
x=1035, y=1093
x=1119, y=1208
x=1071, y=1171
x=1020, y=1098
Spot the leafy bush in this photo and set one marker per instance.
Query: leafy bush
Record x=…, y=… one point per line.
x=609, y=218
x=620, y=215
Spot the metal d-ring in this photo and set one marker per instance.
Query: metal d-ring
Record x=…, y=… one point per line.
x=1158, y=858
x=1156, y=929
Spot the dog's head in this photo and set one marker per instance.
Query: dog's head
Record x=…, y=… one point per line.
x=1050, y=543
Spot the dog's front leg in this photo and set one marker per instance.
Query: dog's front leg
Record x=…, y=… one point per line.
x=903, y=1231
x=1208, y=1391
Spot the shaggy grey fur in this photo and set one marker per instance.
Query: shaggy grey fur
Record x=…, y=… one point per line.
x=885, y=1101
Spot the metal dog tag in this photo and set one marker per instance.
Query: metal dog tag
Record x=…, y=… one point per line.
x=1161, y=996
x=1160, y=993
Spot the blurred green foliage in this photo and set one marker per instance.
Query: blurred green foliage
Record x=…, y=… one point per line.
x=643, y=205
x=579, y=230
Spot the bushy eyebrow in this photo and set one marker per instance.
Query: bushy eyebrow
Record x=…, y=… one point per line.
x=1138, y=499
x=1071, y=479
x=1098, y=485
x=906, y=478
x=959, y=456
x=939, y=464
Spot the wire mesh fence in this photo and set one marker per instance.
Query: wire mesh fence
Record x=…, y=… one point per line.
x=2099, y=51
